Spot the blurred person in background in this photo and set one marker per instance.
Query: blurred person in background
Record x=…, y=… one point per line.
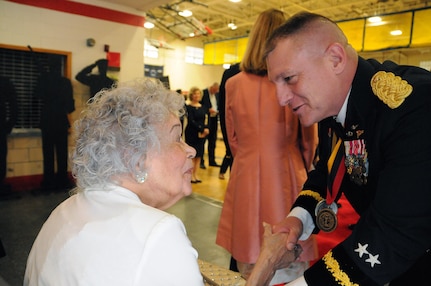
x=196, y=129
x=227, y=159
x=96, y=82
x=8, y=117
x=210, y=99
x=272, y=154
x=56, y=93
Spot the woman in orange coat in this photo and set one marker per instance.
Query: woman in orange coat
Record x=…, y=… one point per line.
x=272, y=154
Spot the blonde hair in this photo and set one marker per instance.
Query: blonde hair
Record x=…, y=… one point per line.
x=266, y=23
x=193, y=90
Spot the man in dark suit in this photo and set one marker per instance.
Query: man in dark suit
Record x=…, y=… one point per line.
x=379, y=115
x=227, y=159
x=8, y=117
x=56, y=93
x=210, y=100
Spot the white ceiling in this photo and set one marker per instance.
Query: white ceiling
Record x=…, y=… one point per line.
x=216, y=14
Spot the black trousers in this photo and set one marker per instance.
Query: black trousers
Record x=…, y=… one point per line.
x=2, y=251
x=212, y=139
x=54, y=149
x=228, y=158
x=3, y=155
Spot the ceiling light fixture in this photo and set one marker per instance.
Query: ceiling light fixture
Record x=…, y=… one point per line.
x=396, y=32
x=374, y=19
x=148, y=25
x=185, y=13
x=235, y=1
x=232, y=25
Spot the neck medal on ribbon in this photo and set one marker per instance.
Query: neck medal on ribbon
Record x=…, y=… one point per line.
x=326, y=216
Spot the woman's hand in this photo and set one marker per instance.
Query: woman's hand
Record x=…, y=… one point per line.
x=273, y=255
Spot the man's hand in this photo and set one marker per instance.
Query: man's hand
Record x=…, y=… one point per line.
x=213, y=111
x=273, y=255
x=292, y=226
x=206, y=131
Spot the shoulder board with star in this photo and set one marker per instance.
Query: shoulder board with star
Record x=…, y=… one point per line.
x=390, y=89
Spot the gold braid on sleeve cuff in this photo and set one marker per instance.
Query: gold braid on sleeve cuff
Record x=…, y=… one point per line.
x=309, y=193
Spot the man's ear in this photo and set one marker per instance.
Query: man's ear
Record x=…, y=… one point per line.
x=338, y=57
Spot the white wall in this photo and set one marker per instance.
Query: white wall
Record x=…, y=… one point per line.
x=42, y=28
x=22, y=25
x=182, y=75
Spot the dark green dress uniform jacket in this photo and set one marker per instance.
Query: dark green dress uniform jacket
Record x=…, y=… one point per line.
x=394, y=229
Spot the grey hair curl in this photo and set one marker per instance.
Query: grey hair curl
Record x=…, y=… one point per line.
x=118, y=128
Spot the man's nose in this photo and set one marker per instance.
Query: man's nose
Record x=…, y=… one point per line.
x=284, y=95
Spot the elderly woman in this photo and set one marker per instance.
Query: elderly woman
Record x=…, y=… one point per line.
x=130, y=163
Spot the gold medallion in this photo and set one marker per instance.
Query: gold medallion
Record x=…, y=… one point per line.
x=324, y=205
x=326, y=220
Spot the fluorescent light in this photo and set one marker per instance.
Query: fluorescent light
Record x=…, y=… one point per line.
x=148, y=25
x=396, y=32
x=185, y=13
x=232, y=26
x=235, y=1
x=375, y=19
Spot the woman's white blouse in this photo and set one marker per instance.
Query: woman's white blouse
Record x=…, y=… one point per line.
x=109, y=237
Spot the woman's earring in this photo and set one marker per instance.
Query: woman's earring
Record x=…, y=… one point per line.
x=141, y=177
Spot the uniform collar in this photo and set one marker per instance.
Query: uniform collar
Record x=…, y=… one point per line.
x=361, y=106
x=341, y=117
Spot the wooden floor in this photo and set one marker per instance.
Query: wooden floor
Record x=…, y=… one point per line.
x=211, y=185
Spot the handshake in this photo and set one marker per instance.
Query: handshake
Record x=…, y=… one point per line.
x=273, y=255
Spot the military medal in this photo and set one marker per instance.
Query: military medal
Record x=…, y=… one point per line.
x=326, y=216
x=326, y=210
x=356, y=161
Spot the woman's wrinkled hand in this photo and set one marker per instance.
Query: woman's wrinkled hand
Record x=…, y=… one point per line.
x=273, y=256
x=275, y=245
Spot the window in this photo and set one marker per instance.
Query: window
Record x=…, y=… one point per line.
x=23, y=68
x=194, y=55
x=150, y=51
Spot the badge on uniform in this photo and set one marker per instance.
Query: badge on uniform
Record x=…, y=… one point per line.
x=326, y=216
x=356, y=161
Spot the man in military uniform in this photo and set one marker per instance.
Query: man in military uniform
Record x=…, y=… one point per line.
x=377, y=115
x=96, y=82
